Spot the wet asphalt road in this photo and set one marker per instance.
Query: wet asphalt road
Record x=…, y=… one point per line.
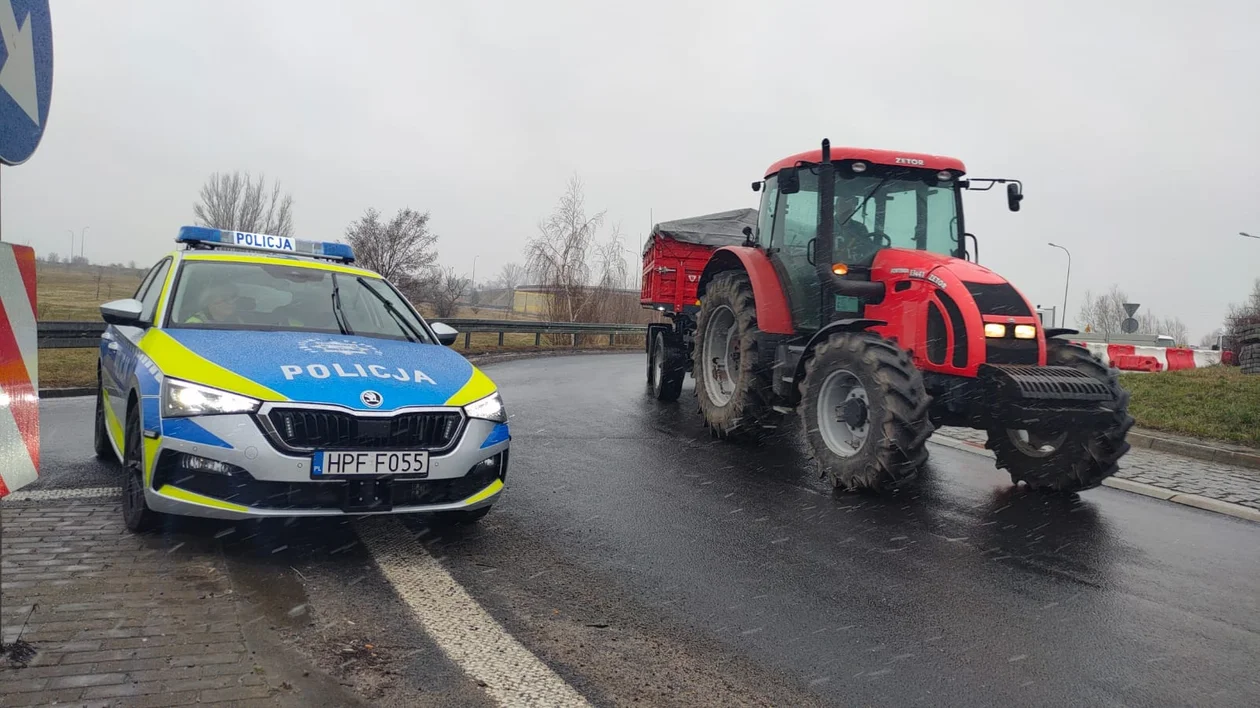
x=642, y=560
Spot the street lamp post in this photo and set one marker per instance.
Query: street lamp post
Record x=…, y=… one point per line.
x=81, y=242
x=474, y=273
x=71, y=257
x=1066, y=280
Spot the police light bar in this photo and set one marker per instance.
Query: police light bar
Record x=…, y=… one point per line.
x=206, y=237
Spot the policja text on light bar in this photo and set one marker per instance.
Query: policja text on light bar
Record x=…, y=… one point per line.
x=206, y=237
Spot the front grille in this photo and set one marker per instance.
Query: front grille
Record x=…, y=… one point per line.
x=241, y=488
x=1010, y=351
x=998, y=299
x=937, y=341
x=333, y=430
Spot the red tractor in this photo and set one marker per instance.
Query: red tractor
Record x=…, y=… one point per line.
x=850, y=298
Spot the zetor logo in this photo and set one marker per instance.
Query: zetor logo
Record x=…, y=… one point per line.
x=909, y=161
x=320, y=371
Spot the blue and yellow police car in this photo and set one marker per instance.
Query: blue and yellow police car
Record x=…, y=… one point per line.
x=255, y=375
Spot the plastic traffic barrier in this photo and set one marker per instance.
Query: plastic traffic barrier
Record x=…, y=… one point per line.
x=19, y=369
x=1177, y=359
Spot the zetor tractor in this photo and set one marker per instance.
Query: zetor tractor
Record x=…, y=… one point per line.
x=851, y=299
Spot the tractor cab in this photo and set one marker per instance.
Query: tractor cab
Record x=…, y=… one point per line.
x=875, y=199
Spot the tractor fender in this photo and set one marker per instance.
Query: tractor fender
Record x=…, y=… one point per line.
x=1059, y=332
x=851, y=325
x=773, y=314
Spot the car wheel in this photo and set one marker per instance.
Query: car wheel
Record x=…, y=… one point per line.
x=137, y=515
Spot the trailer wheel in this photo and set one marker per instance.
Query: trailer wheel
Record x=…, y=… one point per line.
x=1070, y=459
x=667, y=367
x=865, y=412
x=734, y=390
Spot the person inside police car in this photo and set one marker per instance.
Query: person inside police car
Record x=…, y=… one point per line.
x=218, y=306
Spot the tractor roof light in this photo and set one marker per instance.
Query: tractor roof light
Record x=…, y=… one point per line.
x=858, y=167
x=994, y=330
x=839, y=268
x=944, y=175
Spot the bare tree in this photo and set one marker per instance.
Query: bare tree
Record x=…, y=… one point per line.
x=402, y=250
x=1211, y=338
x=235, y=202
x=511, y=277
x=1241, y=318
x=450, y=288
x=53, y=258
x=557, y=256
x=1104, y=313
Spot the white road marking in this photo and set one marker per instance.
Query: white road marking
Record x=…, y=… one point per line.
x=54, y=494
x=466, y=633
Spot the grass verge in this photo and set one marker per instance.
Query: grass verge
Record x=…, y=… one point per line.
x=1217, y=403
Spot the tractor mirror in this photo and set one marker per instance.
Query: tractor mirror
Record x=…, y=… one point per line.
x=1013, y=196
x=790, y=180
x=756, y=186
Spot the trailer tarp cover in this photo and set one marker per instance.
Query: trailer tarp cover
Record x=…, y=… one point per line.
x=725, y=228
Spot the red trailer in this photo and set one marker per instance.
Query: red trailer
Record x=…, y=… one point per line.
x=673, y=261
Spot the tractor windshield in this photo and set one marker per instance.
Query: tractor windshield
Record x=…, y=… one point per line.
x=892, y=207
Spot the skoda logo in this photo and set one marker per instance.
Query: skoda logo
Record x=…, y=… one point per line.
x=371, y=399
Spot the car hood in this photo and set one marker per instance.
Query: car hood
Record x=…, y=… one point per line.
x=342, y=370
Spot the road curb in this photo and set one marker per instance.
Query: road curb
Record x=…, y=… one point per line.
x=1217, y=506
x=1194, y=450
x=66, y=392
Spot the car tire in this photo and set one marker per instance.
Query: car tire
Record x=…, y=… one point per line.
x=100, y=435
x=137, y=516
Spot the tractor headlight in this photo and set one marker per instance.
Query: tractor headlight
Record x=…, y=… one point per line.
x=1025, y=332
x=995, y=330
x=181, y=399
x=488, y=408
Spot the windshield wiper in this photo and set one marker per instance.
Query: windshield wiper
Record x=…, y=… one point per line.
x=408, y=330
x=864, y=201
x=337, y=312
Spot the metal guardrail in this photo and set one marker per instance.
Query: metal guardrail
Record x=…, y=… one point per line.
x=83, y=335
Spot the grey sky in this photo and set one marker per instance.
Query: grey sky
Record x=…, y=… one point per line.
x=1135, y=126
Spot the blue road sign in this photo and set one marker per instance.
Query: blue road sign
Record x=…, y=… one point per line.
x=26, y=71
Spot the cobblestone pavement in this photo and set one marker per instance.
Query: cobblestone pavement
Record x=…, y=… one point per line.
x=1238, y=485
x=117, y=619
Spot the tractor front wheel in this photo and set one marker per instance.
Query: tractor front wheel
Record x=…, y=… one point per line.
x=865, y=412
x=1068, y=458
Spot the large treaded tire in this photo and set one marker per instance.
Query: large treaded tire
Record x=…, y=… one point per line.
x=1249, y=359
x=749, y=413
x=896, y=445
x=1085, y=457
x=667, y=367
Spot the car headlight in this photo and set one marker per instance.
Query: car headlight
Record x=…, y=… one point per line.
x=181, y=399
x=488, y=408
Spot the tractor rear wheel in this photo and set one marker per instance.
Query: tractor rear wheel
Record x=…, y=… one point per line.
x=1069, y=458
x=667, y=366
x=865, y=412
x=733, y=387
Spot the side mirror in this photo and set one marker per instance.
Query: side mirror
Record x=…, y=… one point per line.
x=790, y=180
x=756, y=186
x=124, y=313
x=1013, y=196
x=446, y=334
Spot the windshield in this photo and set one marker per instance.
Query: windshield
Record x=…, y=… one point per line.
x=218, y=295
x=880, y=208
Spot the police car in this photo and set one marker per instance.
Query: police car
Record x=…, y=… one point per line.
x=255, y=375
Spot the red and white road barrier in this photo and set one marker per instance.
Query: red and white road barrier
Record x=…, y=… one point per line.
x=1130, y=357
x=19, y=370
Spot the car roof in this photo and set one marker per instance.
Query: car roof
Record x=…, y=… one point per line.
x=227, y=256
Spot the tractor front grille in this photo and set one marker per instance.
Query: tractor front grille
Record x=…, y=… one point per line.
x=998, y=299
x=298, y=429
x=1009, y=350
x=959, y=325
